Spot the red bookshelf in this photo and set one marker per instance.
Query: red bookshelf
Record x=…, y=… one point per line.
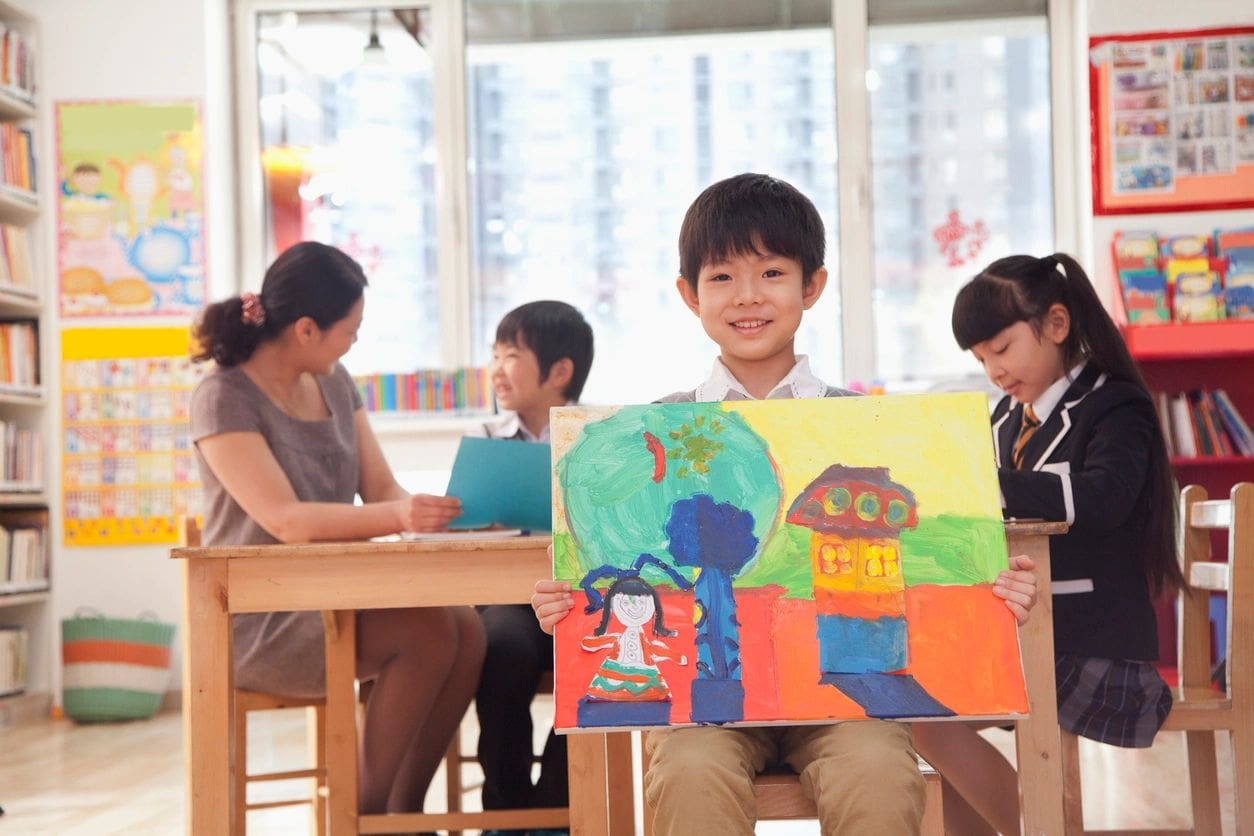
x=1182, y=356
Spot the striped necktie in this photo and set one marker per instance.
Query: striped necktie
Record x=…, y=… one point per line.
x=1030, y=425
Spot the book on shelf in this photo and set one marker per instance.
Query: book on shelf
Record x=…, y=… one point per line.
x=19, y=353
x=17, y=155
x=17, y=63
x=1185, y=278
x=23, y=559
x=1203, y=424
x=15, y=264
x=14, y=659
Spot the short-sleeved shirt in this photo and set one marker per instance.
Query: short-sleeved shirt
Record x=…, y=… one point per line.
x=277, y=652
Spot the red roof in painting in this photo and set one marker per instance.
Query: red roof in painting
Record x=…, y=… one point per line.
x=855, y=501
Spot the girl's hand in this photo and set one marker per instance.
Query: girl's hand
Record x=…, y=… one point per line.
x=551, y=601
x=424, y=512
x=1017, y=586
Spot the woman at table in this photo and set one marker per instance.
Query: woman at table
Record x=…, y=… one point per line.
x=284, y=445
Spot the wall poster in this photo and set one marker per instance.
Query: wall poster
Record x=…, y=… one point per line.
x=1172, y=121
x=130, y=219
x=128, y=468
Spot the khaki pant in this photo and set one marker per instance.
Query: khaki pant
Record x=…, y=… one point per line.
x=862, y=775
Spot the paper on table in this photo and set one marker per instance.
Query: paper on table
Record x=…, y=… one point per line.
x=506, y=483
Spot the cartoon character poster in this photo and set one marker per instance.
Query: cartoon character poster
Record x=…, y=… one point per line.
x=130, y=220
x=758, y=562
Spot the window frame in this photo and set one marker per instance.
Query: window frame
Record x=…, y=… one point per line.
x=855, y=247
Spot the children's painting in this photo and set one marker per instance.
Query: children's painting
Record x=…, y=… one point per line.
x=130, y=225
x=787, y=561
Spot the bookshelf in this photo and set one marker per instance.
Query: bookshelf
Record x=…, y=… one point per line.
x=25, y=589
x=1184, y=356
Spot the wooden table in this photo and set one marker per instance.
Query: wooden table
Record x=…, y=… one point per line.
x=342, y=578
x=345, y=577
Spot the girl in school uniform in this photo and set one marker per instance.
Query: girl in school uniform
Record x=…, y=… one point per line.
x=1077, y=438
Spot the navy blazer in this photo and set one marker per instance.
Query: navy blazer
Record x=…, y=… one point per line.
x=1087, y=464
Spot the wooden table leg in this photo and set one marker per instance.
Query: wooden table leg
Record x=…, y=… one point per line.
x=620, y=782
x=1037, y=742
x=589, y=790
x=341, y=721
x=207, y=676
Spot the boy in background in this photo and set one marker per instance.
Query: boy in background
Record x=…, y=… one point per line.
x=541, y=359
x=751, y=262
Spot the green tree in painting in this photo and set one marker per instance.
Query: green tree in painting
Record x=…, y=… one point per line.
x=624, y=474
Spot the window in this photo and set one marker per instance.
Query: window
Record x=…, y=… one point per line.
x=346, y=131
x=979, y=187
x=609, y=140
x=494, y=152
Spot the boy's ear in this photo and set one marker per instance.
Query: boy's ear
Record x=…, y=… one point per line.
x=1057, y=323
x=689, y=294
x=560, y=373
x=811, y=292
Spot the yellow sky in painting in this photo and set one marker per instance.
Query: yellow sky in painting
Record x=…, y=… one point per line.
x=939, y=446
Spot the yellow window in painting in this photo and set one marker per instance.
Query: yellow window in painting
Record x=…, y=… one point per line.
x=892, y=565
x=874, y=561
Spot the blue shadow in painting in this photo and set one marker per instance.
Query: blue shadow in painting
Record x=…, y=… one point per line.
x=597, y=713
x=887, y=696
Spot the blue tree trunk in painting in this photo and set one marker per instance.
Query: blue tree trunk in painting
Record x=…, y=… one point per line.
x=717, y=539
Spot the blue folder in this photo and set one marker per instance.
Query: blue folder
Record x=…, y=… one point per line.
x=505, y=483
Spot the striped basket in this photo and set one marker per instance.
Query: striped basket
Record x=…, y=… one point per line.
x=115, y=668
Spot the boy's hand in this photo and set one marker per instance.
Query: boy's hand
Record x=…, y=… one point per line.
x=551, y=601
x=424, y=512
x=1017, y=586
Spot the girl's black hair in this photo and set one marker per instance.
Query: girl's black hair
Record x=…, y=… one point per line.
x=632, y=586
x=1022, y=288
x=308, y=279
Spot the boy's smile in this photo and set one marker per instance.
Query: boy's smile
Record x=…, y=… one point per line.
x=751, y=304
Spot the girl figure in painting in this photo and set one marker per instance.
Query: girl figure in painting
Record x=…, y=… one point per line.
x=283, y=446
x=629, y=688
x=1077, y=438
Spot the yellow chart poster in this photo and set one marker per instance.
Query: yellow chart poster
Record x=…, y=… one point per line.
x=128, y=470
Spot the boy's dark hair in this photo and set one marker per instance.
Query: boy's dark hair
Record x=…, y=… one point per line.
x=1022, y=288
x=86, y=168
x=739, y=215
x=552, y=330
x=308, y=279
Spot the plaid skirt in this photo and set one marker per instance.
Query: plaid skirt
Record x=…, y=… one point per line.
x=1117, y=701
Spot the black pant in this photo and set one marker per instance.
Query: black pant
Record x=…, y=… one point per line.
x=518, y=652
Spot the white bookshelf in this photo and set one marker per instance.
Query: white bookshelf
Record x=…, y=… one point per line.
x=27, y=602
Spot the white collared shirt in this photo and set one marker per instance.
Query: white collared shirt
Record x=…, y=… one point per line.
x=1048, y=401
x=722, y=385
x=511, y=427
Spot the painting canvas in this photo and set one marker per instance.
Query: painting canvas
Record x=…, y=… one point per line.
x=780, y=561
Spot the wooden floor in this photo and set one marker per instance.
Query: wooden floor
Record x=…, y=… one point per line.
x=60, y=778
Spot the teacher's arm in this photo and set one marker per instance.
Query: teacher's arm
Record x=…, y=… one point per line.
x=247, y=469
x=377, y=483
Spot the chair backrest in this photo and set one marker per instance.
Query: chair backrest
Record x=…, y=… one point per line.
x=1235, y=577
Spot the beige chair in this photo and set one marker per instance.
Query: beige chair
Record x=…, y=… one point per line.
x=1200, y=710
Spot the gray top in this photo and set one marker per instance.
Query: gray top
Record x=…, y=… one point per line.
x=277, y=652
x=319, y=457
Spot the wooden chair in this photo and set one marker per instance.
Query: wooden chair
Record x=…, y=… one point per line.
x=780, y=797
x=1200, y=710
x=457, y=789
x=243, y=702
